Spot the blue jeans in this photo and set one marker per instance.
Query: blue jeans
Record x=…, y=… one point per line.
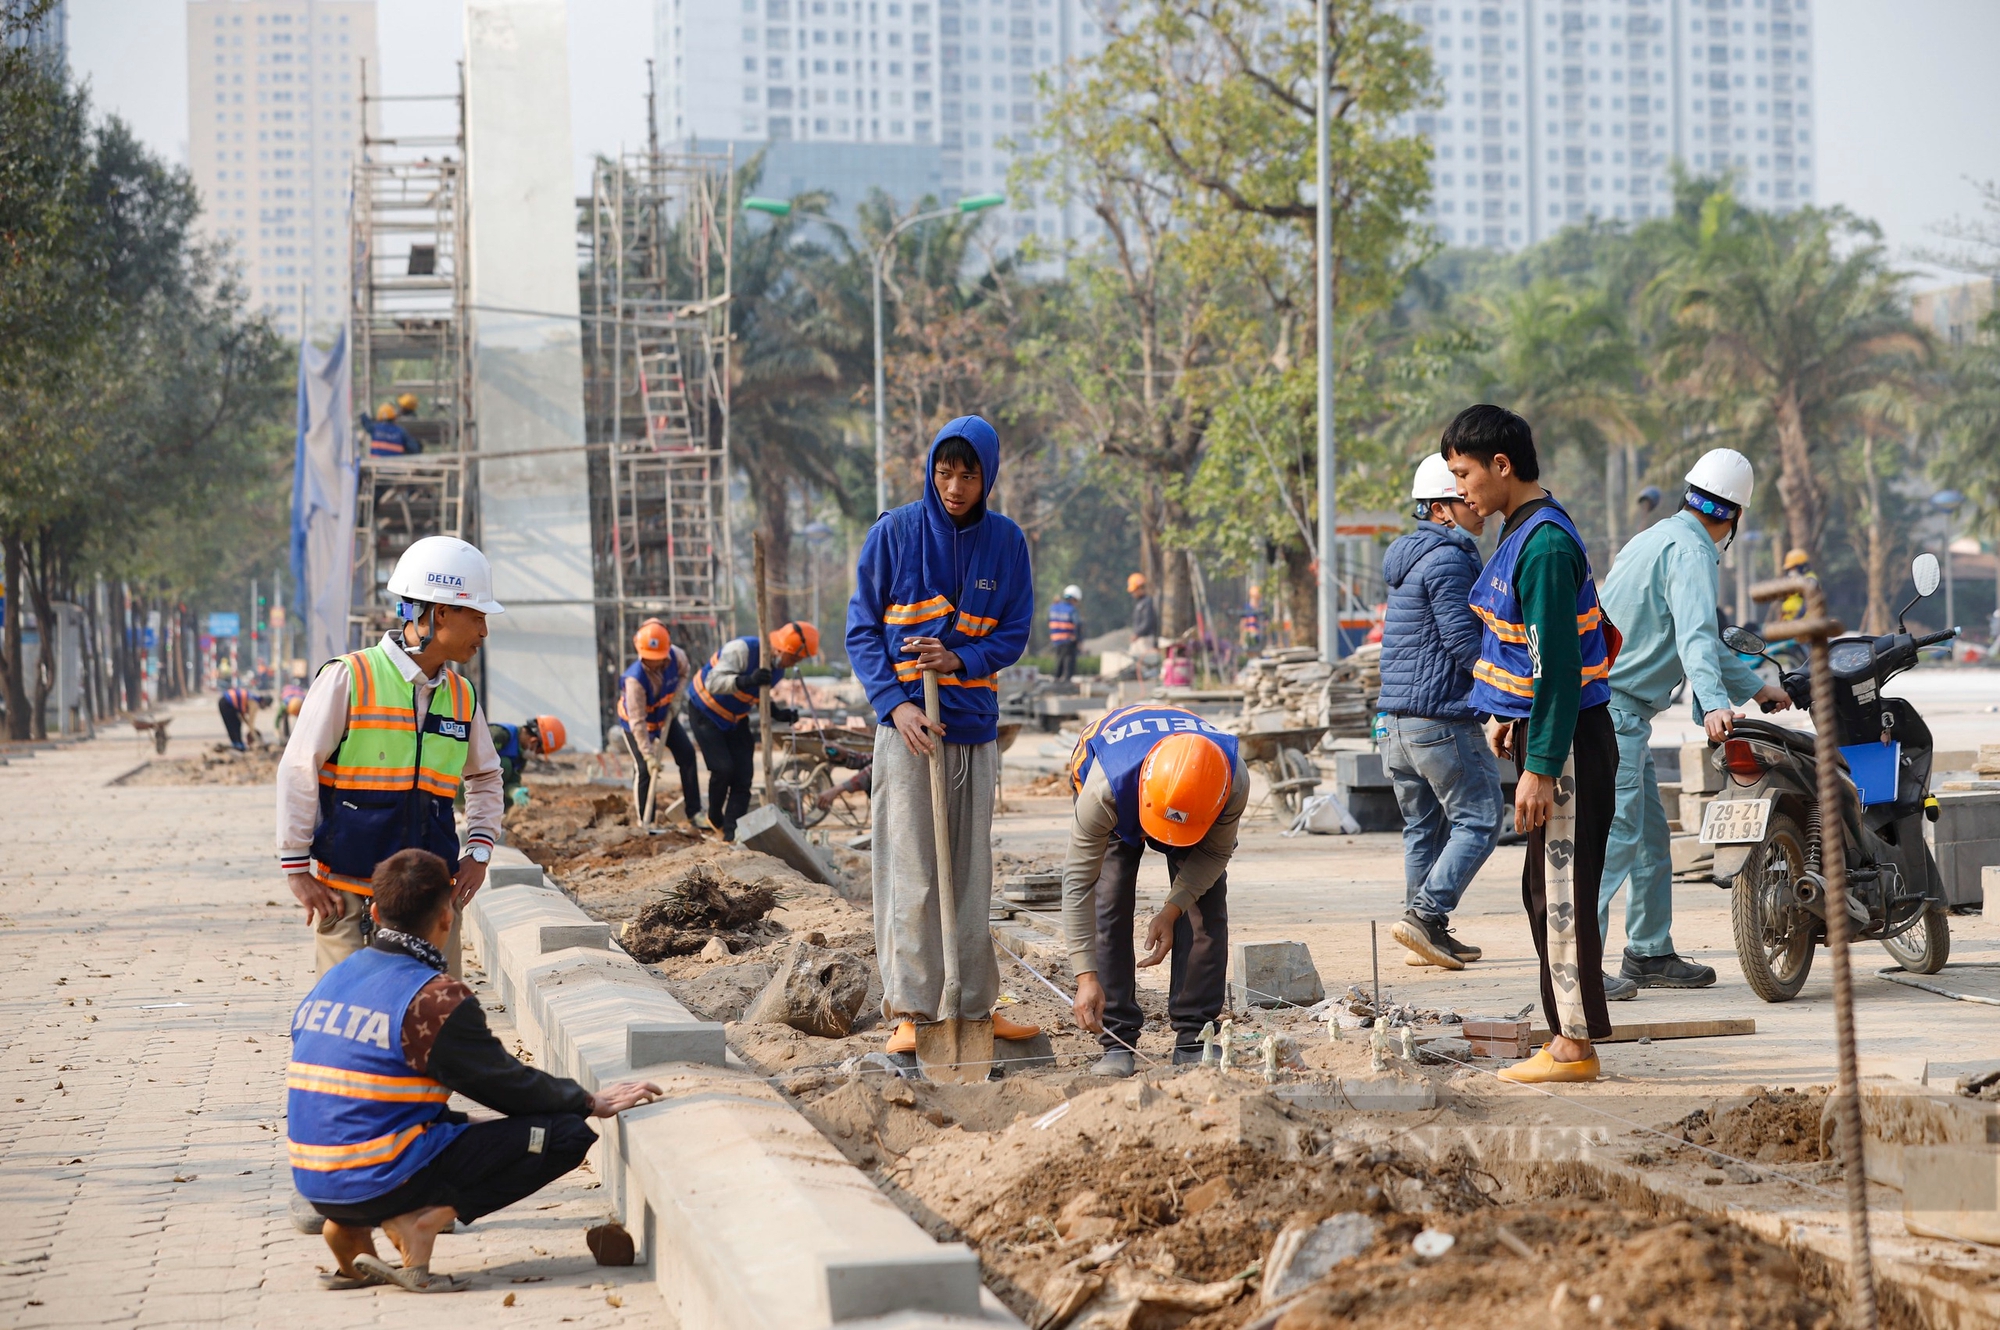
x=1448, y=786
x=1641, y=848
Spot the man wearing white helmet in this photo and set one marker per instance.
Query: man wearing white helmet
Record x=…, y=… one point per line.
x=1662, y=594
x=1065, y=628
x=1447, y=784
x=385, y=740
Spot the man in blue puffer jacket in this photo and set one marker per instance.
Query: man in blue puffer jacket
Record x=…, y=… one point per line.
x=1447, y=784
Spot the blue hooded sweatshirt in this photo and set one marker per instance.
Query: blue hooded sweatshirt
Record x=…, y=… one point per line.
x=923, y=575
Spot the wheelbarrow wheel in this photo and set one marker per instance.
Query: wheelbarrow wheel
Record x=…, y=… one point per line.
x=1296, y=778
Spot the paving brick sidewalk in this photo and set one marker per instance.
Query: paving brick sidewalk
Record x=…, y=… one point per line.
x=149, y=962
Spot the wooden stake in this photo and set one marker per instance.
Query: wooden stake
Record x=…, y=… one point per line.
x=764, y=656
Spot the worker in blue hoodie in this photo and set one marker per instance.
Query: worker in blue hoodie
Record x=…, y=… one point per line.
x=942, y=584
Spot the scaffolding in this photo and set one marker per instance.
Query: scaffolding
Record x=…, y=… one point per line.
x=656, y=343
x=411, y=335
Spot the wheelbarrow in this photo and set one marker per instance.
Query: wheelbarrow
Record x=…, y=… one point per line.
x=1284, y=758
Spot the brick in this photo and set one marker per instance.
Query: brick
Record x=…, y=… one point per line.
x=944, y=1280
x=515, y=875
x=1273, y=974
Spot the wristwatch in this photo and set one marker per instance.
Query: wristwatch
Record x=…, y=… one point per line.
x=479, y=854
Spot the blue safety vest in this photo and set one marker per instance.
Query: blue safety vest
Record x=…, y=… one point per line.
x=728, y=709
x=358, y=1119
x=1062, y=622
x=238, y=698
x=660, y=701
x=1503, y=682
x=1120, y=740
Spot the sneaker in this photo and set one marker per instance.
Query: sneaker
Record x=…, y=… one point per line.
x=1465, y=951
x=699, y=821
x=1617, y=988
x=1115, y=1062
x=1669, y=971
x=1425, y=939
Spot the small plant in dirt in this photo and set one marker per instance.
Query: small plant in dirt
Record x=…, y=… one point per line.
x=700, y=905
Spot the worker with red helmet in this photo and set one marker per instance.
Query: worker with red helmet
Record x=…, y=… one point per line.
x=515, y=744
x=648, y=697
x=723, y=694
x=1159, y=776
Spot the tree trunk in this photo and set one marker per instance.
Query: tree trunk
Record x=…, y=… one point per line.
x=1797, y=485
x=10, y=668
x=49, y=631
x=1302, y=594
x=1614, y=491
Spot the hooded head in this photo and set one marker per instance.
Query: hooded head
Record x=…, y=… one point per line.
x=984, y=444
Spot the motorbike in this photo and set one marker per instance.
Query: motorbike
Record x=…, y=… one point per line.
x=1766, y=825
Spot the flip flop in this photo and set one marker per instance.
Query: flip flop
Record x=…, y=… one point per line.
x=340, y=1283
x=413, y=1279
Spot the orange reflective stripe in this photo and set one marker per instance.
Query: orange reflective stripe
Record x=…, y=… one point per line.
x=364, y=1085
x=444, y=786
x=329, y=1158
x=1601, y=670
x=1506, y=632
x=360, y=886
x=972, y=625
x=1488, y=673
x=1589, y=619
x=953, y=681
x=919, y=612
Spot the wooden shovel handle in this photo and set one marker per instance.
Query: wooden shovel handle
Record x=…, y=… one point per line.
x=947, y=905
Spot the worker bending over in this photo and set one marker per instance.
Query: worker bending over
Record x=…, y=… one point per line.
x=238, y=707
x=1065, y=629
x=648, y=694
x=1544, y=652
x=1164, y=777
x=943, y=585
x=385, y=740
x=515, y=744
x=725, y=693
x=1661, y=593
x=379, y=1045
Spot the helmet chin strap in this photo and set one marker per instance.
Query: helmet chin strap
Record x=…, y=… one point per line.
x=413, y=612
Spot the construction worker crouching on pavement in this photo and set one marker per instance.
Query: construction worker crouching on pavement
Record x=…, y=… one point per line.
x=1661, y=593
x=724, y=696
x=1159, y=776
x=386, y=739
x=1065, y=629
x=238, y=706
x=1447, y=783
x=647, y=695
x=515, y=744
x=379, y=1045
x=943, y=586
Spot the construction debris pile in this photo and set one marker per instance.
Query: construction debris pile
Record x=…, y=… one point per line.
x=701, y=907
x=221, y=765
x=1294, y=689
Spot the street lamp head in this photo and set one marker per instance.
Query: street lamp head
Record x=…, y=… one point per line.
x=980, y=202
x=775, y=207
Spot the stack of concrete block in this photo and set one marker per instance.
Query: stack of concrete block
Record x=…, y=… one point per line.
x=1366, y=789
x=1700, y=783
x=1293, y=689
x=1967, y=843
x=708, y=1174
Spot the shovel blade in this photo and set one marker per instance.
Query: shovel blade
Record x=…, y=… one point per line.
x=958, y=1051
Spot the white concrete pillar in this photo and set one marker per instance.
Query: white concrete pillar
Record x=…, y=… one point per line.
x=541, y=656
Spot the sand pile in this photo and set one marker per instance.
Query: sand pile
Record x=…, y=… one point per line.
x=1767, y=1126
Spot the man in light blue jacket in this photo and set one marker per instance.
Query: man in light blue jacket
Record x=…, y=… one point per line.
x=1662, y=593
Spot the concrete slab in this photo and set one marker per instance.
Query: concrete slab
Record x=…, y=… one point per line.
x=1952, y=1192
x=944, y=1280
x=515, y=875
x=1273, y=974
x=768, y=831
x=650, y=1043
x=561, y=937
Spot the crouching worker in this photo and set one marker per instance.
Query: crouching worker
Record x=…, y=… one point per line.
x=515, y=744
x=1158, y=776
x=378, y=1047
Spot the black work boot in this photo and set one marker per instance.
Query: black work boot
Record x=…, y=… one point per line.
x=1669, y=971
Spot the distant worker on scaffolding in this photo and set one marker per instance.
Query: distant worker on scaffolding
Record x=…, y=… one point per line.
x=725, y=693
x=386, y=437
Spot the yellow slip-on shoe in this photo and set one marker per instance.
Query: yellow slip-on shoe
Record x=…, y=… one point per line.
x=1006, y=1029
x=904, y=1040
x=1543, y=1069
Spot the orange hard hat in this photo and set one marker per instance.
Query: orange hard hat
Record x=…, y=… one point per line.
x=1135, y=583
x=1182, y=788
x=551, y=732
x=652, y=641
x=796, y=639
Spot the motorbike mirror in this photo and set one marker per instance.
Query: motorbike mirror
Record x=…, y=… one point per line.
x=1924, y=572
x=1743, y=640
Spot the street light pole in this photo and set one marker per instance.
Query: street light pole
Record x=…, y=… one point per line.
x=1329, y=608
x=1948, y=502
x=881, y=423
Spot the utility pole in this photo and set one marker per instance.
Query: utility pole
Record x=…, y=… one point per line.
x=1329, y=608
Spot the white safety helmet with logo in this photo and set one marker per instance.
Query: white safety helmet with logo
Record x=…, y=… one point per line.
x=444, y=570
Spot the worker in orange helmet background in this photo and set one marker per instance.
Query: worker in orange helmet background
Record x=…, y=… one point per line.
x=515, y=744
x=723, y=694
x=1160, y=776
x=648, y=698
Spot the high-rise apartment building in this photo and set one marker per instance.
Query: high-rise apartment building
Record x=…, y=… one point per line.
x=915, y=97
x=48, y=36
x=1557, y=110
x=274, y=121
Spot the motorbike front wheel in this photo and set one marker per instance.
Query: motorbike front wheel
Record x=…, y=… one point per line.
x=1774, y=935
x=1924, y=948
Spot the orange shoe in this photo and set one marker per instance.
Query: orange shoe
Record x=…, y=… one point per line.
x=1006, y=1029
x=1543, y=1069
x=904, y=1040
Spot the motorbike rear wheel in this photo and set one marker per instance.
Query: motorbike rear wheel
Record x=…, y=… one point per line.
x=1925, y=947
x=1775, y=936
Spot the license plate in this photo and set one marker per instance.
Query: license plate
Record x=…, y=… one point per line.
x=1735, y=821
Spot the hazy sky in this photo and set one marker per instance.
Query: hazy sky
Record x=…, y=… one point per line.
x=1907, y=107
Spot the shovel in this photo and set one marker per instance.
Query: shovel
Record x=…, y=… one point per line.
x=950, y=1048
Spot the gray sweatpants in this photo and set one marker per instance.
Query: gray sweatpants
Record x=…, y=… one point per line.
x=908, y=934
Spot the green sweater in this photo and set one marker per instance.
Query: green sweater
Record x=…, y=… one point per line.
x=1547, y=579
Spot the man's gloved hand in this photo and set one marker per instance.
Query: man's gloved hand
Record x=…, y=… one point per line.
x=755, y=679
x=785, y=714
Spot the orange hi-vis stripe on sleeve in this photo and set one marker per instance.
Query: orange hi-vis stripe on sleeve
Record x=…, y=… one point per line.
x=973, y=625
x=922, y=611
x=330, y=1158
x=363, y=1085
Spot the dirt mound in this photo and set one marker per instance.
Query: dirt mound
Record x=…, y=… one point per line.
x=1768, y=1126
x=564, y=827
x=222, y=765
x=700, y=905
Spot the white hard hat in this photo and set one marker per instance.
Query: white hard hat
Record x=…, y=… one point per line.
x=1434, y=480
x=1726, y=474
x=444, y=570
x=1072, y=592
